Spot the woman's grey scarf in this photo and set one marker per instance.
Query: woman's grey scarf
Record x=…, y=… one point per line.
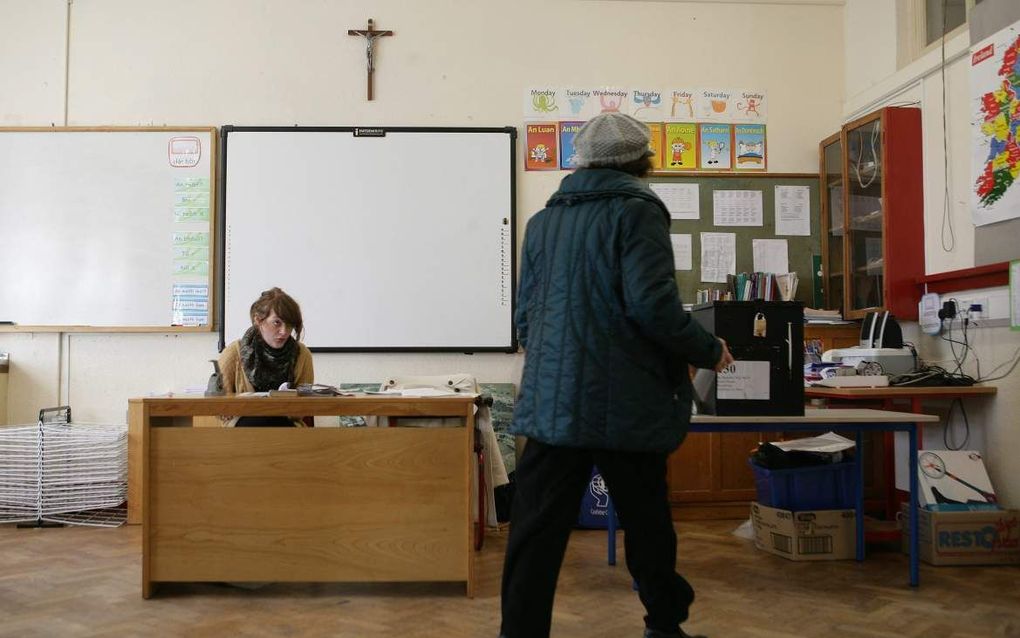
x=267, y=367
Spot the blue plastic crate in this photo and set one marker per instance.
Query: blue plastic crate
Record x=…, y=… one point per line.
x=818, y=487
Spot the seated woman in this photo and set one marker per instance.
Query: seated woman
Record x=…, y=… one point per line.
x=268, y=354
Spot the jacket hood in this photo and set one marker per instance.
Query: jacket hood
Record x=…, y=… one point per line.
x=590, y=184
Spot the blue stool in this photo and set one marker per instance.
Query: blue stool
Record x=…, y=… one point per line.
x=611, y=528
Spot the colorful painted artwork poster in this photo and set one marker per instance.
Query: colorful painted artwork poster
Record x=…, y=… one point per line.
x=542, y=103
x=715, y=142
x=542, y=141
x=714, y=105
x=655, y=143
x=751, y=106
x=647, y=105
x=681, y=105
x=995, y=127
x=579, y=104
x=680, y=142
x=568, y=131
x=749, y=147
x=611, y=99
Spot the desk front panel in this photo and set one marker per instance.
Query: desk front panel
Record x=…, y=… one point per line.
x=284, y=504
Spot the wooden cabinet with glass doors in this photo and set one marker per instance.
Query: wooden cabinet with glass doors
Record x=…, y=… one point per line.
x=873, y=214
x=833, y=225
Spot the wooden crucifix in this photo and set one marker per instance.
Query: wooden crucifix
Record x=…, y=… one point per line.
x=370, y=36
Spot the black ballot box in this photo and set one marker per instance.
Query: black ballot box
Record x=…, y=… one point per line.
x=766, y=338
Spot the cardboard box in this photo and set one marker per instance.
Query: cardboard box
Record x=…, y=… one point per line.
x=807, y=535
x=978, y=537
x=954, y=480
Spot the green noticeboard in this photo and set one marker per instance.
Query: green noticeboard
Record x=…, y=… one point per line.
x=804, y=251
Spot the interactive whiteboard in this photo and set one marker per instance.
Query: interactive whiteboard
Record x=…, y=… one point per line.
x=389, y=238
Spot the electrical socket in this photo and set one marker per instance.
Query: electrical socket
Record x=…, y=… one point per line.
x=994, y=305
x=978, y=308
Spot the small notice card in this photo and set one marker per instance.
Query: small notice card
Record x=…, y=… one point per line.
x=744, y=380
x=770, y=255
x=793, y=210
x=682, y=257
x=718, y=256
x=681, y=200
x=737, y=208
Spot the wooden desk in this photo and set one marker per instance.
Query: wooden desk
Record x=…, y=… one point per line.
x=887, y=398
x=856, y=420
x=303, y=504
x=914, y=394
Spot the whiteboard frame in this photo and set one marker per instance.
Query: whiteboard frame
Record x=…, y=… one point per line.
x=367, y=131
x=213, y=141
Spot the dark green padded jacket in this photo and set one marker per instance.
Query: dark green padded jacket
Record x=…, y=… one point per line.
x=607, y=341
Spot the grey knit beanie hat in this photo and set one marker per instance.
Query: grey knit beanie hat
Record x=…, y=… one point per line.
x=611, y=139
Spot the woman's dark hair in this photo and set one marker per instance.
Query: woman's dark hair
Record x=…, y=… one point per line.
x=276, y=300
x=638, y=168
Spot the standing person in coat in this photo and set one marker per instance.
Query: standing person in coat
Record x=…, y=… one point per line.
x=607, y=348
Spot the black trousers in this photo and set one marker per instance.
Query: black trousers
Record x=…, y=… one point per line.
x=551, y=481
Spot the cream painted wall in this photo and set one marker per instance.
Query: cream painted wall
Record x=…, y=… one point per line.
x=993, y=421
x=35, y=375
x=949, y=234
x=452, y=62
x=869, y=39
x=32, y=38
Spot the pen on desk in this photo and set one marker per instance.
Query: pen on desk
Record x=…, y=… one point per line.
x=7, y=323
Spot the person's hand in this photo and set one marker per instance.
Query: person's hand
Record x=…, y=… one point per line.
x=726, y=358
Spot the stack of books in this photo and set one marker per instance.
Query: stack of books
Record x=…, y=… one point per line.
x=712, y=294
x=766, y=286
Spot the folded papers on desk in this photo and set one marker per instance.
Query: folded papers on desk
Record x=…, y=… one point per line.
x=830, y=442
x=422, y=392
x=321, y=390
x=815, y=315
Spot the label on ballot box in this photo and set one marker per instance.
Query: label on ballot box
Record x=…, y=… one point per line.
x=744, y=380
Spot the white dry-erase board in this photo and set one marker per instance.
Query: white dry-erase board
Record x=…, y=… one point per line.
x=397, y=239
x=107, y=229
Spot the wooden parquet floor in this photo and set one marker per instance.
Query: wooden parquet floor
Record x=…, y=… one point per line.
x=86, y=582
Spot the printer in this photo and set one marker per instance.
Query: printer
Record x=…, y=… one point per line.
x=881, y=343
x=894, y=361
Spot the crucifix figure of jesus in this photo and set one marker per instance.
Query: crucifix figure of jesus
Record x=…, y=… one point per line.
x=370, y=36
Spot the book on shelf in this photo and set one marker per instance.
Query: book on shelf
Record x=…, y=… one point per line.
x=765, y=286
x=787, y=286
